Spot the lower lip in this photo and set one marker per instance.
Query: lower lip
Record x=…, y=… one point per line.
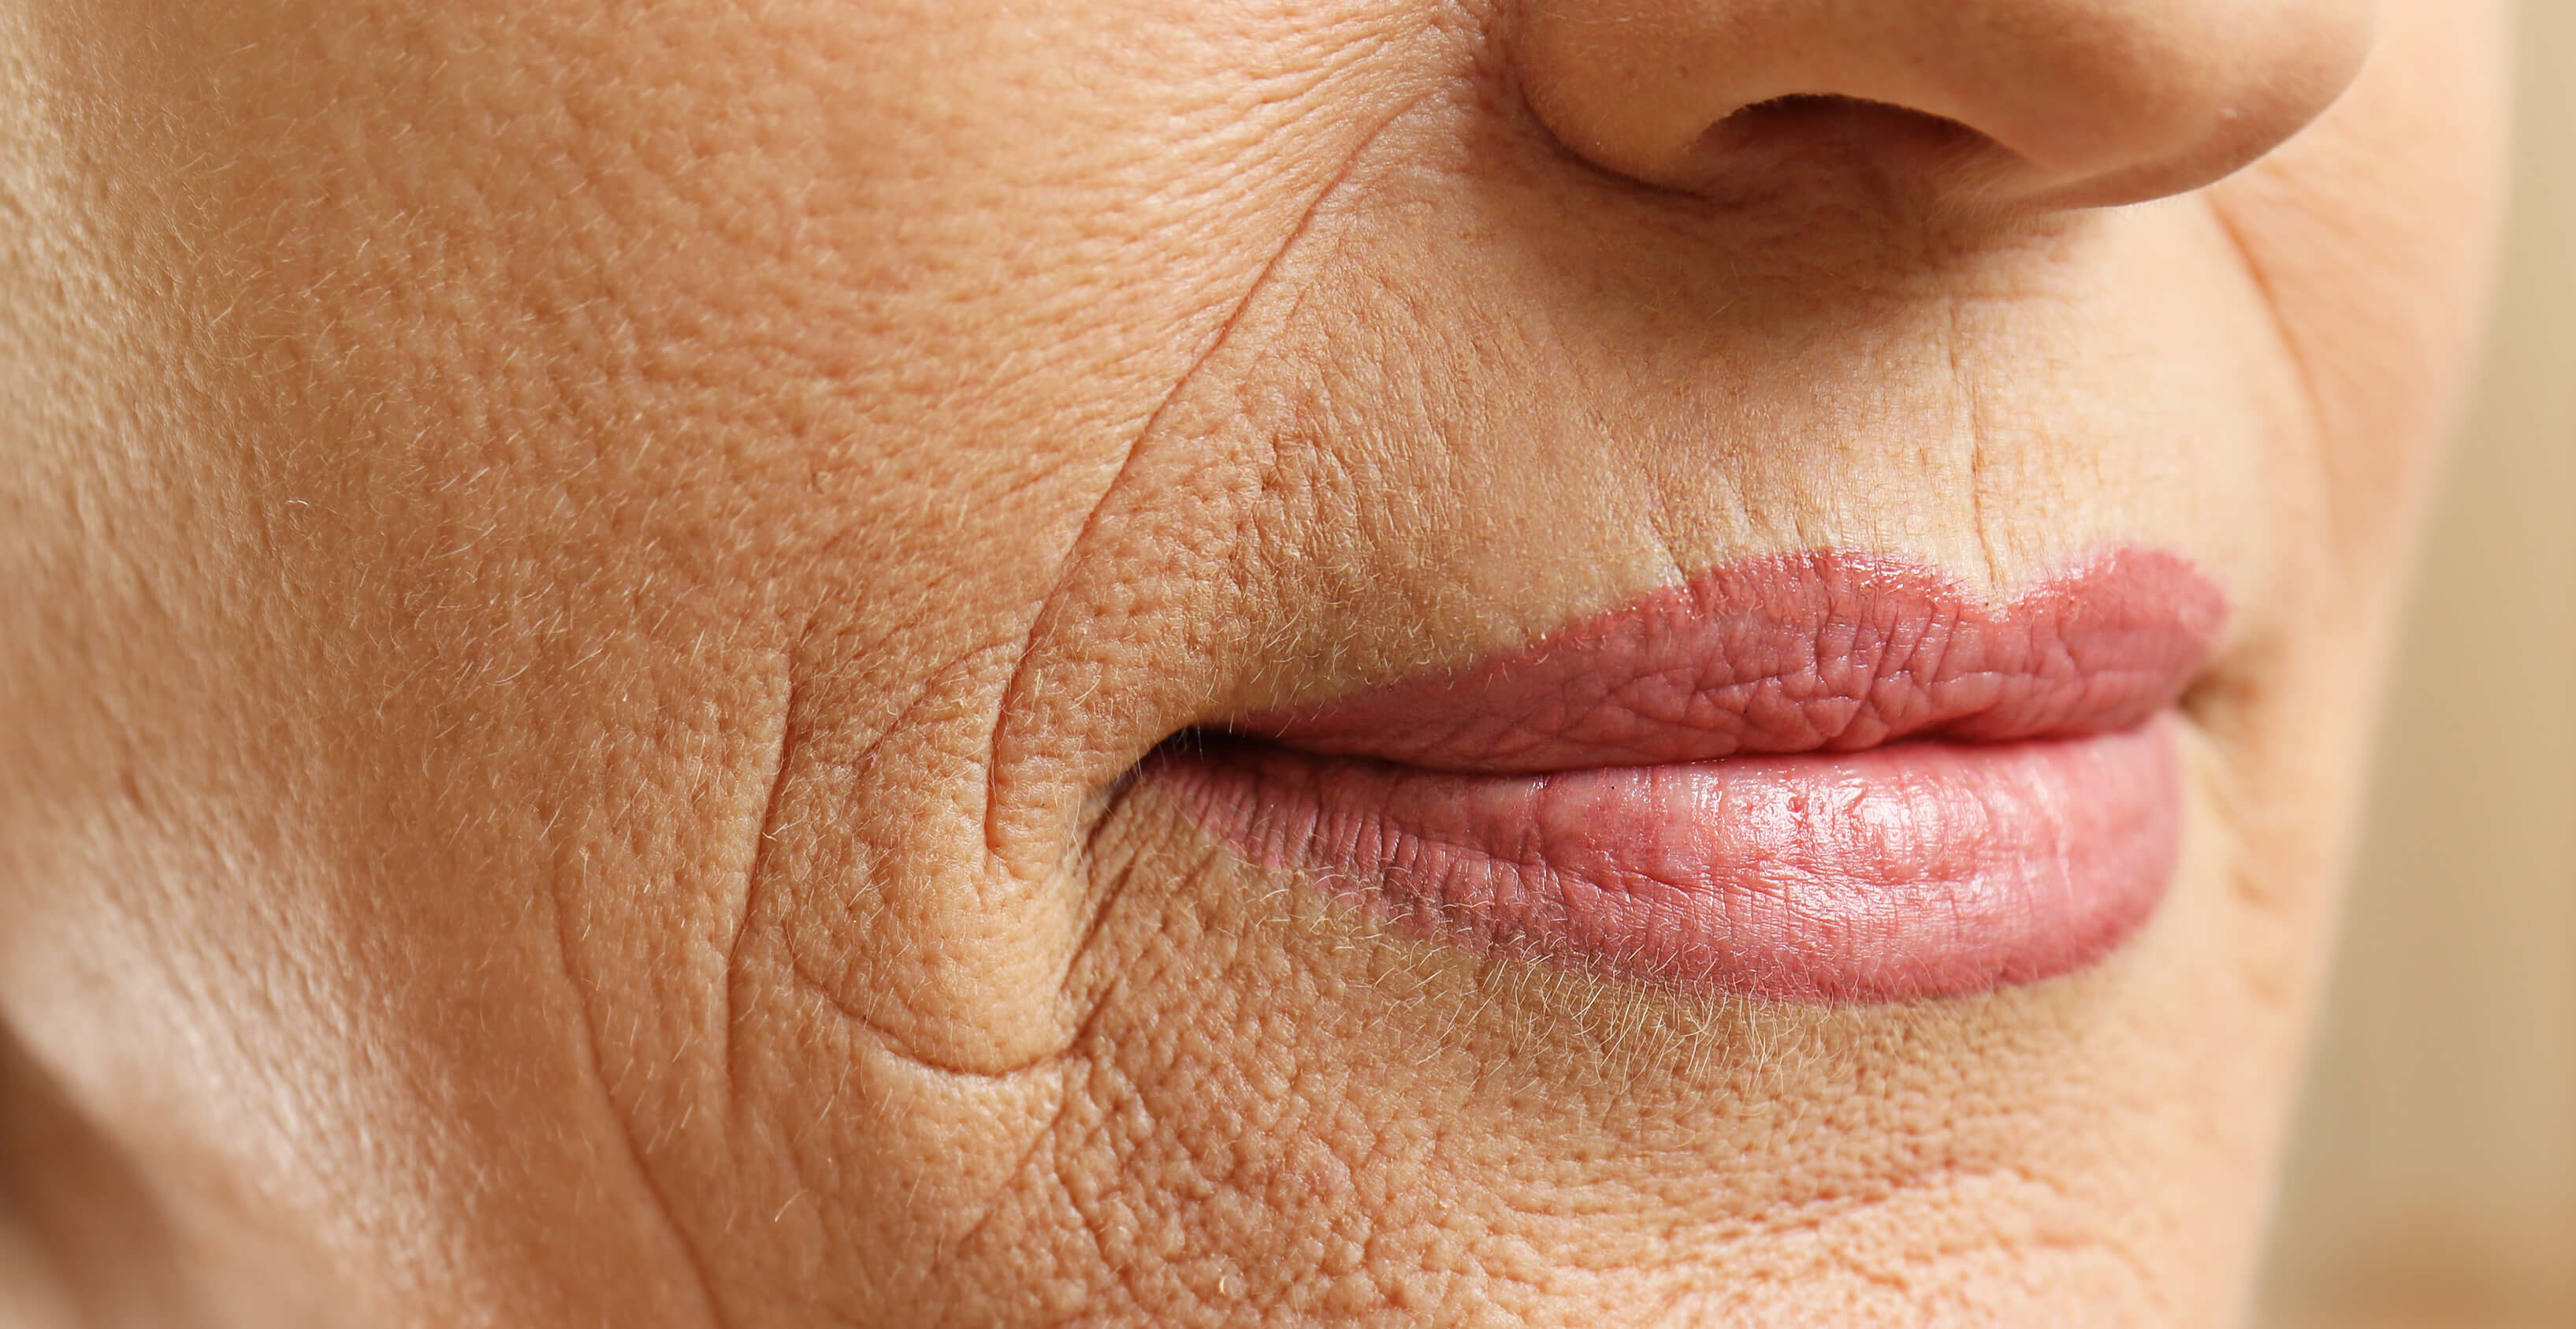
x=1915, y=870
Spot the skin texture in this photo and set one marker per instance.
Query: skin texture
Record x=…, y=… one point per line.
x=585, y=580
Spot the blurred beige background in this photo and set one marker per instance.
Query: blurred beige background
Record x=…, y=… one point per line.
x=2433, y=1184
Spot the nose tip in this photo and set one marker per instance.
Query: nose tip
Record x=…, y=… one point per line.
x=2072, y=103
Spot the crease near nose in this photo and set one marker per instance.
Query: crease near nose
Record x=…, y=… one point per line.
x=2079, y=103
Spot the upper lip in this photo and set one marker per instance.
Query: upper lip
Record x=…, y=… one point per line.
x=1803, y=652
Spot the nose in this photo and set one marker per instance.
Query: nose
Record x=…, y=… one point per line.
x=2053, y=103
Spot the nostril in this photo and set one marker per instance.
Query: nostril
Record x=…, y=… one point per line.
x=1902, y=152
x=1851, y=122
x=1802, y=106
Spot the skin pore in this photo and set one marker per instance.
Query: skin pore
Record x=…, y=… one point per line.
x=588, y=584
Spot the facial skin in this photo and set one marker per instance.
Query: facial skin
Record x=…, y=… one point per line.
x=586, y=580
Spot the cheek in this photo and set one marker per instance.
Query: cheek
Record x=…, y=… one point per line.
x=568, y=369
x=474, y=423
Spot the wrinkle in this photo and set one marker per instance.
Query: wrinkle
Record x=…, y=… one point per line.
x=2311, y=396
x=1039, y=1140
x=709, y=1309
x=887, y=1037
x=1972, y=407
x=894, y=1044
x=1084, y=534
x=766, y=831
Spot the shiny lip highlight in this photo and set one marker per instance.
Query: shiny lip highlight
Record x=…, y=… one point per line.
x=1815, y=776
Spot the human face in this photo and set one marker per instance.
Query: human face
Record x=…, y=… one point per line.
x=625, y=617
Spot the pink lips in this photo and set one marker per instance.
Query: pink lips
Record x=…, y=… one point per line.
x=1822, y=776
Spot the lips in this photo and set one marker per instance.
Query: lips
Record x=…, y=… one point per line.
x=1821, y=776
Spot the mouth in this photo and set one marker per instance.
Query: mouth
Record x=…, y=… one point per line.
x=1812, y=777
